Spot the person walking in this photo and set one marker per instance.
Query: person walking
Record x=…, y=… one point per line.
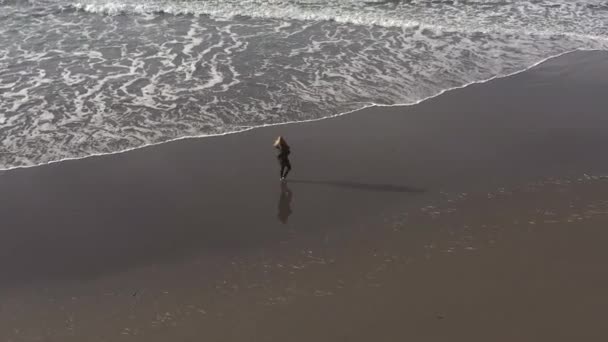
x=283, y=157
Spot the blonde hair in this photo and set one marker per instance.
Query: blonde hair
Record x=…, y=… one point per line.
x=280, y=142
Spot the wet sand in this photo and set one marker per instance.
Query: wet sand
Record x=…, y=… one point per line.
x=474, y=216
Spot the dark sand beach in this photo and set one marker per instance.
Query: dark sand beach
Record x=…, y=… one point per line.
x=478, y=215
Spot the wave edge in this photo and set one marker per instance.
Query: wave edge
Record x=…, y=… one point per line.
x=444, y=91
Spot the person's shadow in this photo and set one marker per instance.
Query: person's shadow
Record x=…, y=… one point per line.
x=362, y=186
x=284, y=203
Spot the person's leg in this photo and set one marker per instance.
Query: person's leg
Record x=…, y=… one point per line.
x=287, y=165
x=281, y=166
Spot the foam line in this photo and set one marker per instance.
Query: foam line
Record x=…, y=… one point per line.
x=300, y=14
x=302, y=121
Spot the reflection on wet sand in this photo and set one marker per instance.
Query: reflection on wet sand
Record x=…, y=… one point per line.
x=284, y=203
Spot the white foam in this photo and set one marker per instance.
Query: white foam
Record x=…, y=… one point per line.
x=531, y=17
x=295, y=122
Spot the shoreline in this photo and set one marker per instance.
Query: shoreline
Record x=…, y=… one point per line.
x=465, y=218
x=366, y=107
x=404, y=147
x=198, y=192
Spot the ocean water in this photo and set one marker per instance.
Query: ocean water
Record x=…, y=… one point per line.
x=87, y=77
